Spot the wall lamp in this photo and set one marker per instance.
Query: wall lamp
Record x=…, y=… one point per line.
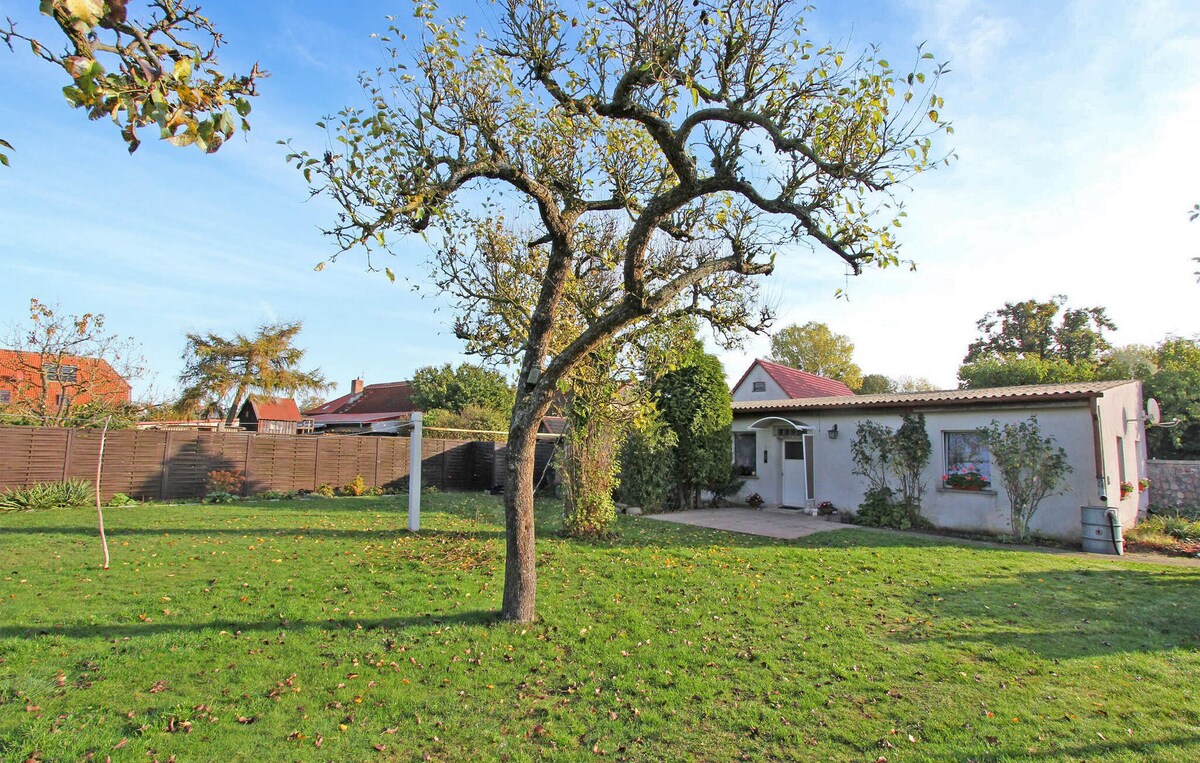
x=833, y=433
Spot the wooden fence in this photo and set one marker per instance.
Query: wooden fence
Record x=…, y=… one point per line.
x=175, y=464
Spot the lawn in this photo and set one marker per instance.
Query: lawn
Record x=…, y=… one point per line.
x=323, y=630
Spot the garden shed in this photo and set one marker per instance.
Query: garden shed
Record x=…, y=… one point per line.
x=269, y=415
x=795, y=452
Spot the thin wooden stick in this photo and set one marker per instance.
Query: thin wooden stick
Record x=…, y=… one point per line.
x=99, y=510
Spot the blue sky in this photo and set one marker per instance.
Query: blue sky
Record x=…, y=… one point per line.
x=1076, y=130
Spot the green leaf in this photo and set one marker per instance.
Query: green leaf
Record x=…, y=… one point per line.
x=391, y=276
x=183, y=68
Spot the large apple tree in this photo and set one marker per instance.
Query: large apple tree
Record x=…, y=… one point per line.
x=715, y=135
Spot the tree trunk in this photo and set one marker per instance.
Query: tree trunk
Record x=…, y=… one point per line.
x=231, y=414
x=520, y=576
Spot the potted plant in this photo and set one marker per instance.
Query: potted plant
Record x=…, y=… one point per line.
x=965, y=479
x=1143, y=484
x=1126, y=490
x=754, y=501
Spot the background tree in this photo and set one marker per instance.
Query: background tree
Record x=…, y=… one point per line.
x=695, y=403
x=227, y=370
x=815, y=348
x=875, y=384
x=1176, y=386
x=1032, y=466
x=1034, y=342
x=914, y=384
x=69, y=371
x=705, y=134
x=158, y=70
x=454, y=389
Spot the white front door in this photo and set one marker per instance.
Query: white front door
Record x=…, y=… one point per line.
x=795, y=490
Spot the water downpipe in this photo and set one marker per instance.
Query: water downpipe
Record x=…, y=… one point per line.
x=1098, y=444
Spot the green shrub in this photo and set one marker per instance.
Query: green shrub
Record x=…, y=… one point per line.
x=647, y=465
x=48, y=495
x=880, y=509
x=275, y=495
x=325, y=490
x=220, y=496
x=120, y=499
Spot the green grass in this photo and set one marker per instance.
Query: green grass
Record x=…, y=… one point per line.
x=258, y=631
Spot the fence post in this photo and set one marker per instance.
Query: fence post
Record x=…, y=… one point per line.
x=67, y=455
x=164, y=477
x=414, y=473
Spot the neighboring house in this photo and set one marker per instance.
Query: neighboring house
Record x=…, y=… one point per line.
x=367, y=409
x=269, y=415
x=795, y=452
x=26, y=378
x=765, y=380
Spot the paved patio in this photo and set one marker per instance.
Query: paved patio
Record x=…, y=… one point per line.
x=770, y=523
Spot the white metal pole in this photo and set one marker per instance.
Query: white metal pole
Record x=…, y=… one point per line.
x=414, y=473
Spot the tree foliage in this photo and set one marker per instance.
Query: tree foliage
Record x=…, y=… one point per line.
x=225, y=371
x=158, y=70
x=1176, y=386
x=695, y=403
x=1014, y=370
x=1031, y=465
x=875, y=384
x=68, y=370
x=702, y=135
x=1044, y=330
x=455, y=388
x=1034, y=342
x=817, y=349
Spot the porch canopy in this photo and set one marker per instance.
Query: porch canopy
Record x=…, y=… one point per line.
x=779, y=422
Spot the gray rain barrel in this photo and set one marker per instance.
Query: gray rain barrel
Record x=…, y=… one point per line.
x=1102, y=530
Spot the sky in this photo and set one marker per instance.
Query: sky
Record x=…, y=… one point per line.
x=1076, y=135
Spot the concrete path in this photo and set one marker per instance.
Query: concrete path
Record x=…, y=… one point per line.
x=785, y=524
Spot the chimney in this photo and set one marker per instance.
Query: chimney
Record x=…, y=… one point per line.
x=356, y=386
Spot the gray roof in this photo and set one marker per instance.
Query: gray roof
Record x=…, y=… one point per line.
x=949, y=397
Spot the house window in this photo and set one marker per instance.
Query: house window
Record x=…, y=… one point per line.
x=61, y=373
x=760, y=386
x=968, y=462
x=743, y=453
x=5, y=396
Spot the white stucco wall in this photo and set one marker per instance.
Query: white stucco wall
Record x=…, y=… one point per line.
x=744, y=392
x=1070, y=424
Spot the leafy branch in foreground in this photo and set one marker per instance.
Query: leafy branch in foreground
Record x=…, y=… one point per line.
x=159, y=70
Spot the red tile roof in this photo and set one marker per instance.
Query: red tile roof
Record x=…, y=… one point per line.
x=390, y=397
x=949, y=397
x=273, y=408
x=796, y=383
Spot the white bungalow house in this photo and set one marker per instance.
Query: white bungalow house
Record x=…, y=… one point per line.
x=795, y=451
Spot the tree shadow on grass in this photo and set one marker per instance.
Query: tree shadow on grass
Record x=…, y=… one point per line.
x=314, y=532
x=135, y=630
x=1064, y=614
